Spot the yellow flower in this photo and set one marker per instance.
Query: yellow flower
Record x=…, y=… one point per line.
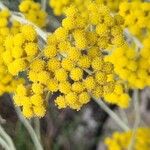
x=76, y=74
x=97, y=64
x=39, y=111
x=31, y=49
x=21, y=90
x=60, y=102
x=52, y=85
x=33, y=12
x=17, y=52
x=17, y=66
x=61, y=75
x=37, y=65
x=67, y=64
x=50, y=51
x=121, y=140
x=100, y=77
x=78, y=87
x=7, y=57
x=63, y=46
x=84, y=98
x=36, y=100
x=89, y=83
x=24, y=6
x=29, y=32
x=98, y=92
x=64, y=87
x=43, y=77
x=72, y=100
x=53, y=64
x=94, y=52
x=73, y=54
x=84, y=62
x=32, y=75
x=27, y=111
x=37, y=88
x=18, y=39
x=61, y=33
x=80, y=39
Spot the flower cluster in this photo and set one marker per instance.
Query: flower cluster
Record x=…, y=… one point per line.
x=73, y=63
x=8, y=83
x=33, y=12
x=30, y=98
x=106, y=29
x=60, y=6
x=20, y=49
x=112, y=4
x=75, y=55
x=121, y=141
x=119, y=96
x=137, y=16
x=132, y=66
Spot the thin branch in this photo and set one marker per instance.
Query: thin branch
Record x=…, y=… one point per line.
x=37, y=127
x=19, y=17
x=124, y=116
x=29, y=128
x=4, y=144
x=24, y=21
x=137, y=118
x=7, y=138
x=44, y=4
x=2, y=6
x=113, y=115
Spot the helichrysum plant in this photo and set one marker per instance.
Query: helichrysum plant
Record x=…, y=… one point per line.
x=136, y=16
x=99, y=52
x=72, y=63
x=8, y=82
x=78, y=59
x=32, y=11
x=121, y=141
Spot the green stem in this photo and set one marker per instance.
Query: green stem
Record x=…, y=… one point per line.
x=30, y=130
x=37, y=127
x=4, y=144
x=124, y=116
x=44, y=4
x=137, y=118
x=7, y=138
x=113, y=115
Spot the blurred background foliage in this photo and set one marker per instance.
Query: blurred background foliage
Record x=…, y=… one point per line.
x=60, y=129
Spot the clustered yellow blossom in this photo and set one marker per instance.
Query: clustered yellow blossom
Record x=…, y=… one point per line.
x=112, y=4
x=119, y=96
x=75, y=62
x=137, y=16
x=72, y=63
x=121, y=141
x=132, y=66
x=31, y=99
x=20, y=49
x=60, y=6
x=33, y=12
x=7, y=82
x=75, y=55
